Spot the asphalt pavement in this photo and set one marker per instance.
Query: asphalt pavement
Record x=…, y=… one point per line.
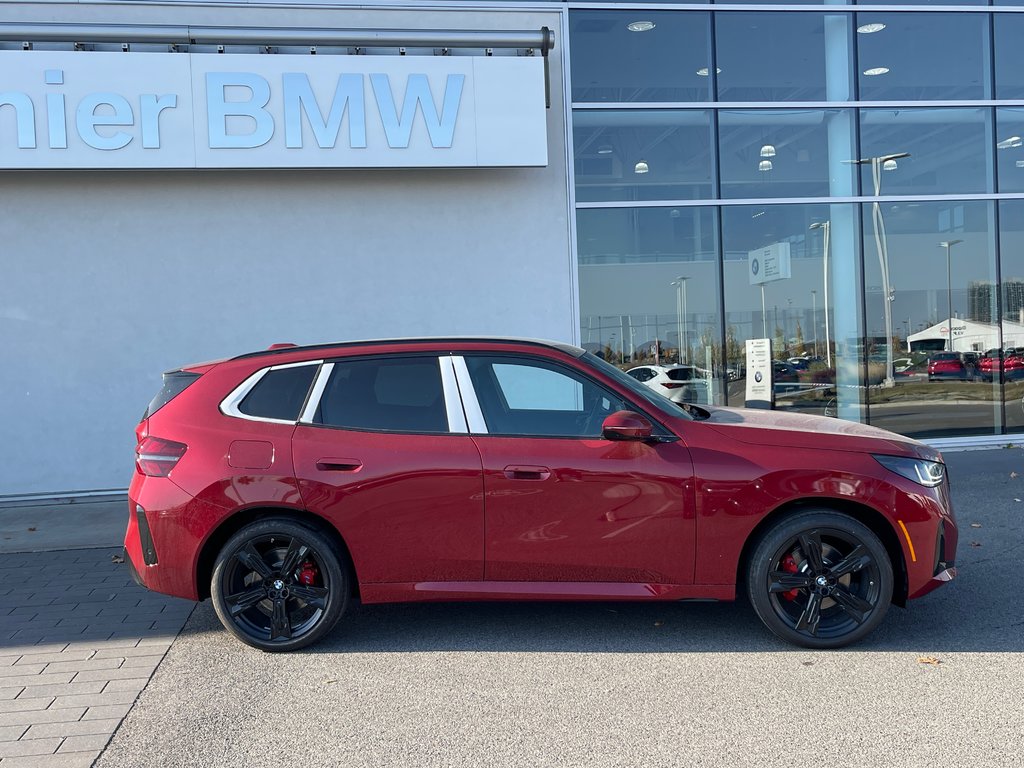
x=939, y=683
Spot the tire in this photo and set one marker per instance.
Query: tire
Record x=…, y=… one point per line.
x=820, y=579
x=267, y=608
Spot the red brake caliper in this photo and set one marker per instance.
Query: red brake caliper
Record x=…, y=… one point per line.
x=789, y=566
x=308, y=573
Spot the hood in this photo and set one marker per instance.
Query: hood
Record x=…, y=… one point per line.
x=798, y=430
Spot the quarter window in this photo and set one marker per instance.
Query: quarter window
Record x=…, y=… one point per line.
x=533, y=397
x=392, y=395
x=279, y=394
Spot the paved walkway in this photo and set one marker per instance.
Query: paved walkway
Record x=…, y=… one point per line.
x=78, y=642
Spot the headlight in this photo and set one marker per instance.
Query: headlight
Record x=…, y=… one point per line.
x=927, y=473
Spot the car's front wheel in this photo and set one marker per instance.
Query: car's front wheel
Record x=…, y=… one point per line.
x=820, y=579
x=279, y=585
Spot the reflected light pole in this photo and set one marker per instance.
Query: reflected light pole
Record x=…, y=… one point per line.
x=948, y=244
x=879, y=164
x=826, y=229
x=814, y=318
x=680, y=284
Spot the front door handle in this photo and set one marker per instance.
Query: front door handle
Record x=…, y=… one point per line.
x=338, y=465
x=519, y=472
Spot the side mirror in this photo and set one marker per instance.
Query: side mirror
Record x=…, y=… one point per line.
x=626, y=425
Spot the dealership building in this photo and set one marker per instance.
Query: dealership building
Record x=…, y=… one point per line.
x=656, y=182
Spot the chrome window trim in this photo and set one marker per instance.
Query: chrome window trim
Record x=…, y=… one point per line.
x=324, y=374
x=229, y=405
x=457, y=423
x=474, y=416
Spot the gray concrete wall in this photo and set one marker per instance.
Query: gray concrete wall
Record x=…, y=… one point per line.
x=109, y=278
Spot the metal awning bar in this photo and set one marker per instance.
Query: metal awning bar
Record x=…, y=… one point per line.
x=540, y=39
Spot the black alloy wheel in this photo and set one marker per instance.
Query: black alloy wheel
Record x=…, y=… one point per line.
x=278, y=585
x=820, y=579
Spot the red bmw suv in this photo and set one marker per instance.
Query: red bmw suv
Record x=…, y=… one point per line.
x=285, y=483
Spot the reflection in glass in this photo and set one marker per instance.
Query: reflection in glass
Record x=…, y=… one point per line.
x=779, y=56
x=1010, y=148
x=947, y=148
x=612, y=63
x=1009, y=55
x=1011, y=251
x=649, y=292
x=922, y=56
x=796, y=305
x=785, y=153
x=941, y=278
x=642, y=154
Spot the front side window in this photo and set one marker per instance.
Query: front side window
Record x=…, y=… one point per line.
x=537, y=398
x=385, y=394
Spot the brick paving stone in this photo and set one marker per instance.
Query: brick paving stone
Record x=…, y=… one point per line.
x=12, y=732
x=116, y=674
x=28, y=747
x=65, y=689
x=135, y=684
x=46, y=658
x=84, y=666
x=46, y=716
x=107, y=711
x=21, y=669
x=59, y=760
x=106, y=698
x=84, y=743
x=24, y=705
x=75, y=728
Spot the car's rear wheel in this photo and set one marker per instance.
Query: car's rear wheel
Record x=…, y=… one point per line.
x=820, y=579
x=279, y=585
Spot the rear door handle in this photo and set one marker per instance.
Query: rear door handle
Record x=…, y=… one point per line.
x=338, y=465
x=519, y=472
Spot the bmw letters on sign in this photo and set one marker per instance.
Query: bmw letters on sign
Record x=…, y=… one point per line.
x=178, y=110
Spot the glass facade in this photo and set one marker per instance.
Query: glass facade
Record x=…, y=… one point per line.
x=846, y=183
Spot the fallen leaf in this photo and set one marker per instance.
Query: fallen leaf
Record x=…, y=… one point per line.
x=658, y=623
x=1014, y=474
x=807, y=663
x=1016, y=499
x=116, y=559
x=975, y=525
x=329, y=682
x=975, y=543
x=33, y=528
x=928, y=660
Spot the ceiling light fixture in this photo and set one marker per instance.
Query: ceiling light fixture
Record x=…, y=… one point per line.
x=764, y=165
x=867, y=29
x=768, y=150
x=604, y=149
x=641, y=167
x=876, y=71
x=640, y=26
x=1013, y=141
x=703, y=71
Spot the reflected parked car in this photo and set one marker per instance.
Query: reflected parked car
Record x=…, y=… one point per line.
x=998, y=363
x=948, y=365
x=285, y=484
x=679, y=383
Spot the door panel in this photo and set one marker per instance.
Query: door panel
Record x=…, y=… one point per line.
x=563, y=503
x=601, y=511
x=410, y=507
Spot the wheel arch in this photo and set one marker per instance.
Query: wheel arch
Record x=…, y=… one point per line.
x=878, y=523
x=231, y=525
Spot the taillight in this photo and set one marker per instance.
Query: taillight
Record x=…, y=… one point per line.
x=156, y=457
x=672, y=384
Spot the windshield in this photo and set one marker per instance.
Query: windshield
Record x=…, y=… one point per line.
x=646, y=394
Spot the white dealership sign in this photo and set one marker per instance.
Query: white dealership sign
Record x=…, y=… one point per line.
x=769, y=264
x=760, y=392
x=179, y=110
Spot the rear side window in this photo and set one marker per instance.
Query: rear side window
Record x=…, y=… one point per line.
x=280, y=394
x=174, y=384
x=391, y=395
x=680, y=374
